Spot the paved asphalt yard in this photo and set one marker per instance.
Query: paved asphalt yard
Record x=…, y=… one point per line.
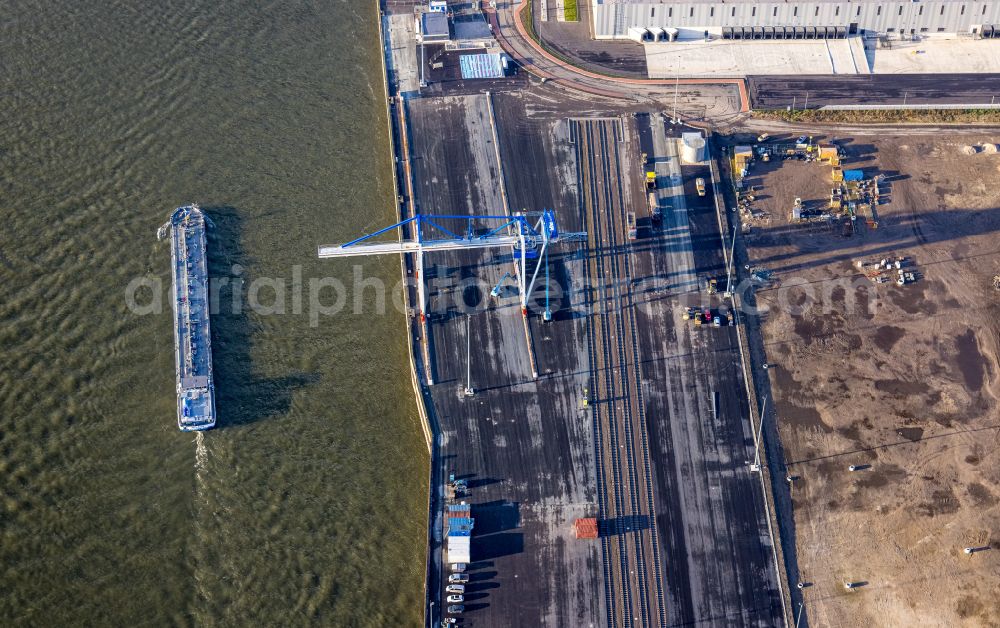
x=779, y=92
x=525, y=446
x=637, y=417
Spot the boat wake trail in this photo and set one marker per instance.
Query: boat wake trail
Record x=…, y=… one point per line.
x=200, y=458
x=201, y=534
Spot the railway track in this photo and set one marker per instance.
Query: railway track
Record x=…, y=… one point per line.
x=633, y=588
x=621, y=609
x=584, y=175
x=624, y=279
x=615, y=346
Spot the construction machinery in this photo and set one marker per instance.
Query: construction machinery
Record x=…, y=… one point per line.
x=742, y=156
x=699, y=184
x=828, y=153
x=712, y=285
x=630, y=226
x=654, y=207
x=651, y=179
x=888, y=269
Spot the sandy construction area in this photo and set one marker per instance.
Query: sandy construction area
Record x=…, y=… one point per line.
x=900, y=381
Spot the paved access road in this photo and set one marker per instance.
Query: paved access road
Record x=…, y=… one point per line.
x=718, y=560
x=779, y=92
x=667, y=396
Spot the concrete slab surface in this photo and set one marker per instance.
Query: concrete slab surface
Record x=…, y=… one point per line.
x=854, y=55
x=733, y=58
x=936, y=55
x=402, y=66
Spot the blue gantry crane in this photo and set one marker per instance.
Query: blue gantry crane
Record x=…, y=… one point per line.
x=528, y=235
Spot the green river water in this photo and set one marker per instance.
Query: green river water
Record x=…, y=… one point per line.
x=307, y=505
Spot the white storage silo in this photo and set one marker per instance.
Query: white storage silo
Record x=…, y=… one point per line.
x=694, y=148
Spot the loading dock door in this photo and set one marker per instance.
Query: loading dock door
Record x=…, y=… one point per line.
x=853, y=29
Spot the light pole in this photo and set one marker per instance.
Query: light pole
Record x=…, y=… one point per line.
x=756, y=445
x=468, y=356
x=729, y=268
x=547, y=316
x=677, y=86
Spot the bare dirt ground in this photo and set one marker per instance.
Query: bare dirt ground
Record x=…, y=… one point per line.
x=902, y=381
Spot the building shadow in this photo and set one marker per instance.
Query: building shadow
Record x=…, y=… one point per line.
x=622, y=525
x=497, y=545
x=493, y=517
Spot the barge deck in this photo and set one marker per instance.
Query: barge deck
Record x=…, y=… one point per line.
x=192, y=333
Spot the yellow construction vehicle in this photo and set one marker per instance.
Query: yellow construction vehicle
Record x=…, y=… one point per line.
x=829, y=153
x=699, y=184
x=651, y=179
x=836, y=198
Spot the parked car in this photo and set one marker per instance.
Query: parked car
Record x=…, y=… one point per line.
x=455, y=599
x=456, y=609
x=458, y=578
x=455, y=588
x=717, y=321
x=458, y=567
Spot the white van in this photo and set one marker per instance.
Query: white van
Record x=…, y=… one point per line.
x=455, y=588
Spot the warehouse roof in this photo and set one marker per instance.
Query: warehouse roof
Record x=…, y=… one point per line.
x=434, y=25
x=732, y=2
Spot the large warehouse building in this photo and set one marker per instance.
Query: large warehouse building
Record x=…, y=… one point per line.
x=740, y=19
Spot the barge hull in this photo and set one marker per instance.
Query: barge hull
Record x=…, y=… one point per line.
x=192, y=332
